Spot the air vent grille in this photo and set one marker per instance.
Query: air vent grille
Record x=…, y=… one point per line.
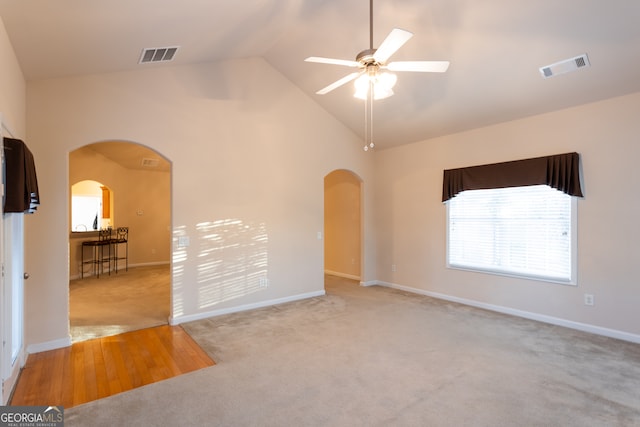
x=150, y=163
x=158, y=54
x=566, y=66
x=581, y=62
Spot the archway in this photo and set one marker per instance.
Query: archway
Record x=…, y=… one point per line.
x=131, y=293
x=343, y=224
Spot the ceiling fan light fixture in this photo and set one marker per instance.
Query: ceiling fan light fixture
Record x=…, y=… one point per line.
x=362, y=87
x=387, y=81
x=382, y=85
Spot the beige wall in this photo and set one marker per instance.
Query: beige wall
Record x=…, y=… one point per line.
x=141, y=201
x=412, y=219
x=249, y=153
x=342, y=224
x=12, y=87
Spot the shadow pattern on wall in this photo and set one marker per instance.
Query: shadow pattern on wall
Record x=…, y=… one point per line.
x=232, y=261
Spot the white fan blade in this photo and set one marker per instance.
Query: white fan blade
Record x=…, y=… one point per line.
x=420, y=66
x=338, y=83
x=332, y=61
x=391, y=44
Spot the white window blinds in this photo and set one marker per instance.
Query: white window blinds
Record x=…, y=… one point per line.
x=525, y=231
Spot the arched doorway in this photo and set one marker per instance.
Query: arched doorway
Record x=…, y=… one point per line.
x=343, y=224
x=135, y=185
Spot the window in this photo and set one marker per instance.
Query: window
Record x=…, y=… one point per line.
x=86, y=213
x=91, y=204
x=525, y=231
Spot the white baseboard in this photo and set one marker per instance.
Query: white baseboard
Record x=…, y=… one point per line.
x=345, y=275
x=141, y=264
x=598, y=330
x=49, y=345
x=205, y=315
x=148, y=264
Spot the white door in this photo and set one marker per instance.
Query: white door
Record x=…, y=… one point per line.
x=13, y=351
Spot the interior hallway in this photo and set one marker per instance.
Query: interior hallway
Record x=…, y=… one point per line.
x=117, y=303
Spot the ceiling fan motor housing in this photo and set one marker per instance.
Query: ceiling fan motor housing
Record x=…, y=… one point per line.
x=366, y=56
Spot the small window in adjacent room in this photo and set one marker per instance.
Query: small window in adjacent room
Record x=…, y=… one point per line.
x=91, y=205
x=525, y=231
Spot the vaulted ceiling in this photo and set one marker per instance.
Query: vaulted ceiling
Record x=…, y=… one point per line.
x=495, y=47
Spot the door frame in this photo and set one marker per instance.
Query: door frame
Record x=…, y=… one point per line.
x=11, y=289
x=113, y=191
x=13, y=359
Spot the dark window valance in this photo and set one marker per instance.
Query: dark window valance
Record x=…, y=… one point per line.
x=21, y=191
x=560, y=171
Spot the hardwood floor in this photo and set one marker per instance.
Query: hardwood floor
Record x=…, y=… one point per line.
x=101, y=367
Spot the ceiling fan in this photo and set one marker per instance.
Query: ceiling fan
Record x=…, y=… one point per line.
x=371, y=61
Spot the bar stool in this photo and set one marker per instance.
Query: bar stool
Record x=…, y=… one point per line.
x=121, y=237
x=97, y=250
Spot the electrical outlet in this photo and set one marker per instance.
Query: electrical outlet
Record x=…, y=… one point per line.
x=588, y=299
x=264, y=282
x=393, y=268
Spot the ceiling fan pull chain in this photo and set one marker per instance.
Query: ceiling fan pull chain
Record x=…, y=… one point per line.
x=368, y=118
x=366, y=124
x=371, y=89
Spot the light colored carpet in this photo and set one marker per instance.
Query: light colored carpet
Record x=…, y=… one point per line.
x=379, y=357
x=117, y=303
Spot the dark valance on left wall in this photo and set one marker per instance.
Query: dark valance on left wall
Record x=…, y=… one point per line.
x=21, y=183
x=561, y=171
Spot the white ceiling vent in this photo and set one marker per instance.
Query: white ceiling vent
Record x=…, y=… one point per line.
x=150, y=163
x=158, y=54
x=566, y=66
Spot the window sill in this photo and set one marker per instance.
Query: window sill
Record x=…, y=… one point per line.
x=514, y=275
